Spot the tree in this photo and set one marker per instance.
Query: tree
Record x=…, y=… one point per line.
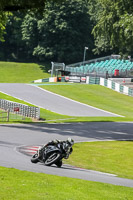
x=7, y=6
x=113, y=28
x=30, y=32
x=13, y=47
x=15, y=5
x=3, y=20
x=59, y=33
x=64, y=31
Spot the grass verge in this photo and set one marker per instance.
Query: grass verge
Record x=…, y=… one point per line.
x=12, y=72
x=16, y=184
x=44, y=114
x=113, y=157
x=93, y=95
x=99, y=97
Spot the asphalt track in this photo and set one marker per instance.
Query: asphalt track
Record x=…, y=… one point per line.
x=14, y=138
x=50, y=101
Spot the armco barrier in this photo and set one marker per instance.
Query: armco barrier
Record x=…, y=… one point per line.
x=41, y=80
x=21, y=109
x=92, y=80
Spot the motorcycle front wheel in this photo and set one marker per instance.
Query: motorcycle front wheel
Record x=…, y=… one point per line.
x=52, y=158
x=59, y=163
x=34, y=158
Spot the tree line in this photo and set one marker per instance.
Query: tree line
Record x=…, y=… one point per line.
x=60, y=30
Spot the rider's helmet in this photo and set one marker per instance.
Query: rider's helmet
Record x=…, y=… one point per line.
x=70, y=141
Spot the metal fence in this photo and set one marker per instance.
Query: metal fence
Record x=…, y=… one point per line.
x=4, y=115
x=91, y=61
x=84, y=68
x=55, y=67
x=20, y=109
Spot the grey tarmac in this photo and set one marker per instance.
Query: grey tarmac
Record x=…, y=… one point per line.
x=50, y=101
x=17, y=135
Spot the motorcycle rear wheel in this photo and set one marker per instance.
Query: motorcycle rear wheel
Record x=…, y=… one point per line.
x=34, y=158
x=52, y=159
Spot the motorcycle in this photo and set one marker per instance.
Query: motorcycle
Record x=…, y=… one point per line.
x=52, y=155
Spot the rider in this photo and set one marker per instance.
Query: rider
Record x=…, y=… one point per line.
x=64, y=144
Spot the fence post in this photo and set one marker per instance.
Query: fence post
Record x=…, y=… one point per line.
x=8, y=115
x=21, y=109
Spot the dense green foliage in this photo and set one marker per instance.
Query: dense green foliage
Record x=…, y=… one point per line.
x=3, y=20
x=14, y=5
x=64, y=31
x=59, y=31
x=113, y=29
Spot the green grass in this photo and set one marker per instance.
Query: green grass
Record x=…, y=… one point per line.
x=12, y=117
x=115, y=157
x=11, y=72
x=94, y=95
x=19, y=185
x=99, y=97
x=45, y=115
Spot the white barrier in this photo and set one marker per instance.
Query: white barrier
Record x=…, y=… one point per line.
x=125, y=90
x=21, y=109
x=87, y=79
x=117, y=87
x=53, y=79
x=109, y=84
x=102, y=81
x=38, y=81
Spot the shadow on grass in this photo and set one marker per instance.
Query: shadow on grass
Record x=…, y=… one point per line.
x=45, y=66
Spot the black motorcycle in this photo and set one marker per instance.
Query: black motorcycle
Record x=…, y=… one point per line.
x=52, y=154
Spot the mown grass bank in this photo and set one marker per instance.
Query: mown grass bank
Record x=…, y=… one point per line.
x=94, y=95
x=113, y=157
x=19, y=185
x=99, y=97
x=12, y=72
